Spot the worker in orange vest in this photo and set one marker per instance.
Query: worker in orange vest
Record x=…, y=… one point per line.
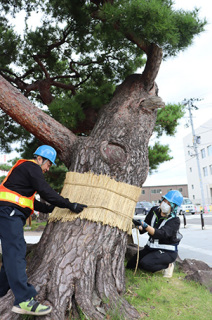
x=17, y=202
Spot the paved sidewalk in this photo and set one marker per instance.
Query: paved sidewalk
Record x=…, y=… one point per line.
x=196, y=222
x=32, y=236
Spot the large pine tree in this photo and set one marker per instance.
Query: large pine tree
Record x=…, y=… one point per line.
x=80, y=45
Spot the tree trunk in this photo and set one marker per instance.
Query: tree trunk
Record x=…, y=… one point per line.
x=80, y=264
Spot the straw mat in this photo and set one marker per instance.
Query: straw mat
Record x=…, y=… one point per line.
x=109, y=202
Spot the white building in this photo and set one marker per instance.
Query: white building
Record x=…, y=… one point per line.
x=204, y=146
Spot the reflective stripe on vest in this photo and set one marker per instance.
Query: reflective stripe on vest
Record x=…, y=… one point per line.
x=14, y=197
x=17, y=199
x=154, y=243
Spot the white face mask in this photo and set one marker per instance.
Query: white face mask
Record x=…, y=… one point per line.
x=165, y=208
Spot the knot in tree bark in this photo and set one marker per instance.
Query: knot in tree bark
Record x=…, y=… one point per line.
x=152, y=103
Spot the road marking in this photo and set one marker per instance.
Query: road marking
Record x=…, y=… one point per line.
x=195, y=216
x=196, y=226
x=195, y=249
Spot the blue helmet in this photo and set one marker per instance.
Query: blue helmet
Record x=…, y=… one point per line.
x=46, y=152
x=174, y=196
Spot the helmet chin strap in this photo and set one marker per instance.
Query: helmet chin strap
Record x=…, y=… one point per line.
x=43, y=161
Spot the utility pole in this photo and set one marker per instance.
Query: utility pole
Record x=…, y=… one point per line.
x=190, y=105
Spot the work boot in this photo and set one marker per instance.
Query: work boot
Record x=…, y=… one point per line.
x=32, y=307
x=169, y=271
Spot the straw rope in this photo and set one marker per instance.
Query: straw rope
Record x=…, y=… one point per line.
x=137, y=260
x=109, y=202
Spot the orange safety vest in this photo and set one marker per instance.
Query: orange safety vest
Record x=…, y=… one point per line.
x=14, y=197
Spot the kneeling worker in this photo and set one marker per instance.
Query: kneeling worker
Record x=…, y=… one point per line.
x=17, y=202
x=162, y=225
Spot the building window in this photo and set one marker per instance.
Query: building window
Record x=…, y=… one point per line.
x=205, y=171
x=156, y=191
x=193, y=196
x=190, y=169
x=203, y=153
x=192, y=186
x=210, y=168
x=181, y=189
x=209, y=148
x=143, y=192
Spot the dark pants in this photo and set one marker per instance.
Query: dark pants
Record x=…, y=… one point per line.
x=13, y=271
x=152, y=260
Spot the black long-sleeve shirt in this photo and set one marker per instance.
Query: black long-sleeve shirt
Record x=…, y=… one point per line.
x=27, y=178
x=167, y=234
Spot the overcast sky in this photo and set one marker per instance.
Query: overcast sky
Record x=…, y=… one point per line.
x=184, y=77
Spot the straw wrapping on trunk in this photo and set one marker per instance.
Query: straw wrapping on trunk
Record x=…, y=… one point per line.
x=109, y=202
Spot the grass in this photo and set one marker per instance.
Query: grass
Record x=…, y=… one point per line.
x=35, y=225
x=156, y=297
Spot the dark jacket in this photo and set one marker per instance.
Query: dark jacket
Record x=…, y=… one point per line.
x=167, y=234
x=28, y=178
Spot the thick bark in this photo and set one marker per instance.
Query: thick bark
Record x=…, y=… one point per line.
x=118, y=144
x=81, y=263
x=154, y=58
x=67, y=260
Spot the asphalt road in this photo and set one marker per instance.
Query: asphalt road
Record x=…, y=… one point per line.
x=196, y=243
